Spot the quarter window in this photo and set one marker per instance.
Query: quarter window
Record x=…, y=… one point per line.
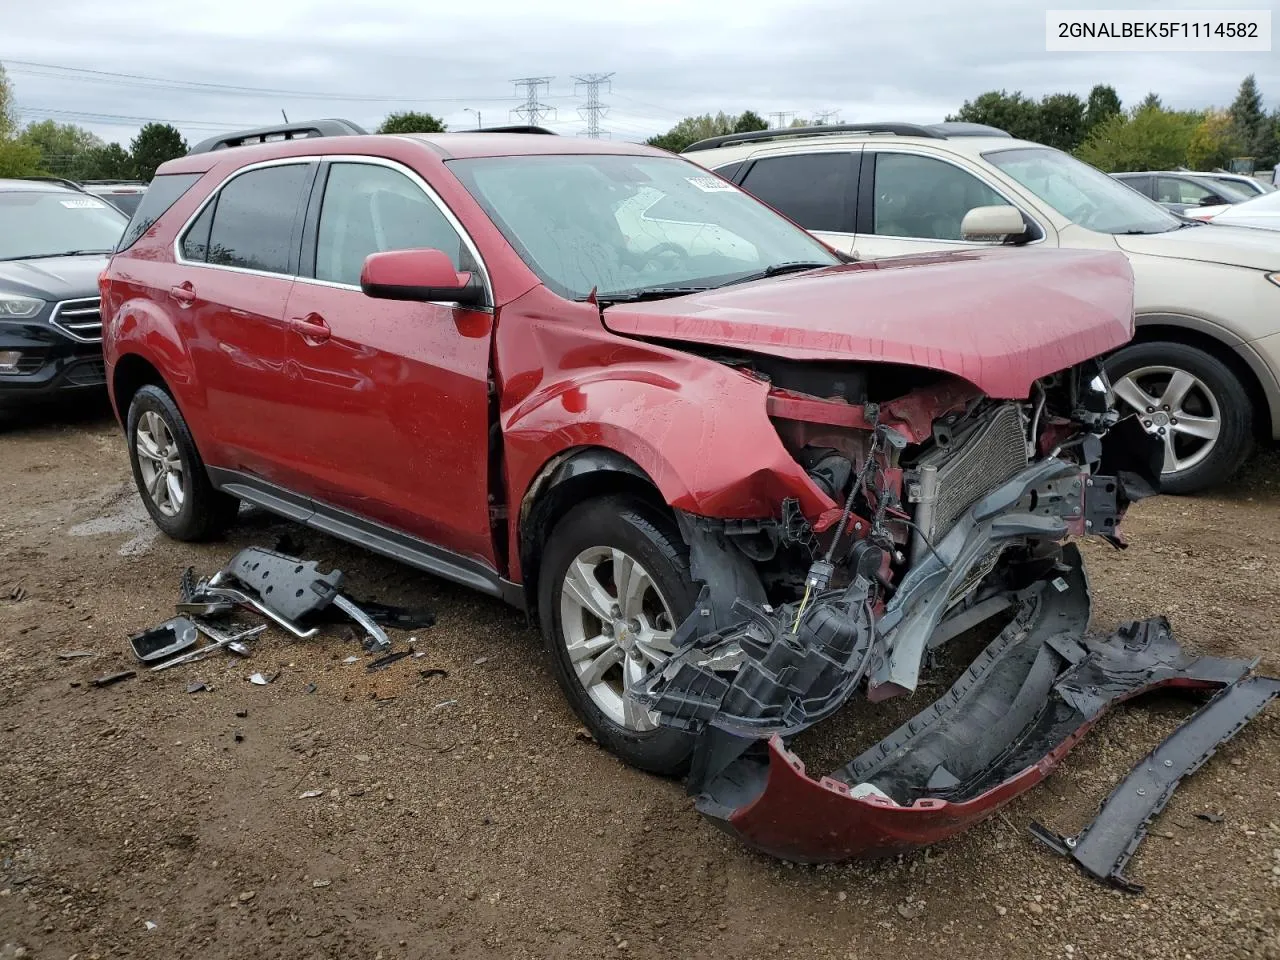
x=369, y=208
x=810, y=188
x=925, y=198
x=252, y=221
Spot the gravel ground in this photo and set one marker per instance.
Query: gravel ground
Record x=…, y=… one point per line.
x=337, y=813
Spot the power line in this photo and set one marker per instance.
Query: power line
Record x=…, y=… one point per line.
x=82, y=74
x=821, y=117
x=533, y=110
x=781, y=117
x=654, y=106
x=49, y=113
x=593, y=109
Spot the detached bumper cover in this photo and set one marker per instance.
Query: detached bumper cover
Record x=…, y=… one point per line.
x=1002, y=728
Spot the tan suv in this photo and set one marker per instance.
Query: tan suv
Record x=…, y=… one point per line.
x=1203, y=371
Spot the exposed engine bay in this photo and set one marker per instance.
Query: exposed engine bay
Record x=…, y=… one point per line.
x=955, y=509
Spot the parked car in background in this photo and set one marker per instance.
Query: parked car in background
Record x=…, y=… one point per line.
x=1181, y=192
x=1251, y=186
x=1203, y=372
x=123, y=194
x=1262, y=213
x=54, y=241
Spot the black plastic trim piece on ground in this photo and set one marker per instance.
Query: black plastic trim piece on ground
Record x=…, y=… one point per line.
x=1105, y=846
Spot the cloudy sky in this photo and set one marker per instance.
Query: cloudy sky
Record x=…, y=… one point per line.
x=227, y=64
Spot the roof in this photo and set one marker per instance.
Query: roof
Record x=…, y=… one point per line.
x=965, y=145
x=35, y=183
x=931, y=131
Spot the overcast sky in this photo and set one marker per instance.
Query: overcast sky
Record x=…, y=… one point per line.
x=670, y=58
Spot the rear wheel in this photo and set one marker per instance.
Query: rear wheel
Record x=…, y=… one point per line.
x=1193, y=402
x=169, y=473
x=614, y=586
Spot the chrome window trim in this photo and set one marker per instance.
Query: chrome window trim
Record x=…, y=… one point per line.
x=986, y=182
x=399, y=167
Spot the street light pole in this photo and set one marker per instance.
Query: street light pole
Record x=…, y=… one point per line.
x=479, y=123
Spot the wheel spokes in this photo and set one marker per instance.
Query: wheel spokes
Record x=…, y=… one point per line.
x=595, y=669
x=1180, y=384
x=1128, y=390
x=1205, y=428
x=580, y=582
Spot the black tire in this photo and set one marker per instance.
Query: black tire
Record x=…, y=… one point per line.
x=1235, y=436
x=205, y=513
x=627, y=523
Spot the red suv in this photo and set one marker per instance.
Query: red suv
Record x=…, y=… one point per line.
x=731, y=475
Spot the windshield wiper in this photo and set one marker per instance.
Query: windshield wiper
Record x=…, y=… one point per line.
x=649, y=293
x=61, y=253
x=778, y=269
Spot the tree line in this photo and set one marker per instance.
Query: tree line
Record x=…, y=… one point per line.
x=1097, y=128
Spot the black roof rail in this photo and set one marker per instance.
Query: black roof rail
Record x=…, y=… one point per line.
x=933, y=131
x=285, y=131
x=112, y=182
x=518, y=128
x=61, y=180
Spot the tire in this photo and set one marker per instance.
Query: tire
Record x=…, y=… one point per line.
x=183, y=503
x=589, y=537
x=1216, y=395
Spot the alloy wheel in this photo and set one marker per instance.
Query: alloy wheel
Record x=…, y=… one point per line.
x=618, y=629
x=1177, y=407
x=160, y=463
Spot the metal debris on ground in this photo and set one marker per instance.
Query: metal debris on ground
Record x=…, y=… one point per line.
x=445, y=703
x=310, y=794
x=383, y=662
x=311, y=688
x=429, y=672
x=259, y=680
x=478, y=661
x=74, y=654
x=18, y=593
x=196, y=686
x=231, y=642
x=352, y=659
x=111, y=678
x=1210, y=817
x=160, y=643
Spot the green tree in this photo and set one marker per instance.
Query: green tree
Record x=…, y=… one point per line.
x=109, y=162
x=18, y=159
x=8, y=115
x=749, y=121
x=692, y=129
x=410, y=122
x=1103, y=104
x=1148, y=138
x=1247, y=116
x=155, y=144
x=1062, y=121
x=1017, y=115
x=1150, y=102
x=61, y=145
x=1213, y=142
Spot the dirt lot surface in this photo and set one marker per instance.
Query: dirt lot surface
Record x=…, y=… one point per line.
x=463, y=815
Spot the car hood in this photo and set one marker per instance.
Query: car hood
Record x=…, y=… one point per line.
x=53, y=278
x=1000, y=319
x=1215, y=243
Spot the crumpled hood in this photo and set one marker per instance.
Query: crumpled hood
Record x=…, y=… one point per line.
x=1212, y=243
x=53, y=278
x=1000, y=319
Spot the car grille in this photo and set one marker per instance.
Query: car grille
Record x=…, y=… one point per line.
x=991, y=454
x=79, y=319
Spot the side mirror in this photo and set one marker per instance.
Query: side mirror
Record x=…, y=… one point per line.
x=419, y=275
x=993, y=223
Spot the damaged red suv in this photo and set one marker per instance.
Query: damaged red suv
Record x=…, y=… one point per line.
x=735, y=479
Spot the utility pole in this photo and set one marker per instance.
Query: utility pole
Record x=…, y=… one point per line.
x=593, y=109
x=781, y=118
x=533, y=110
x=479, y=122
x=826, y=116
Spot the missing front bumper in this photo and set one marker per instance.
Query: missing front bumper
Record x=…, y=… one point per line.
x=1002, y=727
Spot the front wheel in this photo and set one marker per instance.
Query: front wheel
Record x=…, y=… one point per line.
x=614, y=586
x=1193, y=402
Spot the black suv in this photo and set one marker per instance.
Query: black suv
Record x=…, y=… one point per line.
x=54, y=241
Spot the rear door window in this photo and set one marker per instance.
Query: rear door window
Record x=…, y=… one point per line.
x=254, y=221
x=813, y=189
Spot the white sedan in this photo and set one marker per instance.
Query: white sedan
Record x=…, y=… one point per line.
x=1262, y=212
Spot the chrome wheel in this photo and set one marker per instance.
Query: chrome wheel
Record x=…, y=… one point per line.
x=160, y=464
x=617, y=629
x=1177, y=407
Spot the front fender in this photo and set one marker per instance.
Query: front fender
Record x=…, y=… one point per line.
x=141, y=328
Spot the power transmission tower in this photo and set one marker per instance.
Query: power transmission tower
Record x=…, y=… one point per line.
x=533, y=110
x=781, y=118
x=826, y=116
x=593, y=109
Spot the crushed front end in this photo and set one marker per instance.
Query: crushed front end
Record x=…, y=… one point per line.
x=956, y=510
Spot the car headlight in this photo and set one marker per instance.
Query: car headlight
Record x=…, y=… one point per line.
x=1274, y=278
x=14, y=307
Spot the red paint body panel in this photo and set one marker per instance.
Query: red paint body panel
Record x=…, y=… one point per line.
x=815, y=821
x=998, y=319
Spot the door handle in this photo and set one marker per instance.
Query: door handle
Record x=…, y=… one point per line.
x=312, y=328
x=184, y=293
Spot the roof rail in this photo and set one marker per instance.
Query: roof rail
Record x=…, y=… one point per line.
x=72, y=184
x=933, y=131
x=287, y=131
x=518, y=128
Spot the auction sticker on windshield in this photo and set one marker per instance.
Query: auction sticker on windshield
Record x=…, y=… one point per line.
x=712, y=185
x=79, y=204
x=1137, y=31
